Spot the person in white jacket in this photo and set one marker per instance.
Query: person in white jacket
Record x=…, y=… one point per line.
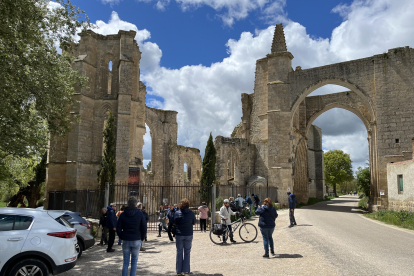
x=225, y=213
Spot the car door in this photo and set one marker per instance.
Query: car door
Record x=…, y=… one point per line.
x=12, y=235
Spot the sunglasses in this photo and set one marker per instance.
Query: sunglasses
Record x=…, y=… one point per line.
x=226, y=203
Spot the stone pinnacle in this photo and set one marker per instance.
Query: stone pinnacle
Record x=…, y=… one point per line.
x=279, y=42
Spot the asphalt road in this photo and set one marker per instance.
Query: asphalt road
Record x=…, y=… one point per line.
x=351, y=243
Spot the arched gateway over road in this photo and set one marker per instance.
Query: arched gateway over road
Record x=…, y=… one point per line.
x=277, y=117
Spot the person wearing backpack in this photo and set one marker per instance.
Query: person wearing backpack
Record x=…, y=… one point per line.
x=256, y=200
x=267, y=225
x=250, y=202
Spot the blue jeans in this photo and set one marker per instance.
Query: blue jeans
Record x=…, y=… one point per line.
x=183, y=263
x=130, y=248
x=267, y=239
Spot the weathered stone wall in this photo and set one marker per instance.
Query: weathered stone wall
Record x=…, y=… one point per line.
x=234, y=159
x=191, y=156
x=317, y=187
x=73, y=161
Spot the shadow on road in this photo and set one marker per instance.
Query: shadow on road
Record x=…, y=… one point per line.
x=304, y=225
x=287, y=256
x=341, y=204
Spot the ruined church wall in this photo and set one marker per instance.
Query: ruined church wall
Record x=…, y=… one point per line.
x=180, y=155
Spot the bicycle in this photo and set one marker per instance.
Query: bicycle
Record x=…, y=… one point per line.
x=247, y=231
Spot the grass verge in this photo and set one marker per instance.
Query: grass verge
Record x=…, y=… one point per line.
x=3, y=204
x=402, y=219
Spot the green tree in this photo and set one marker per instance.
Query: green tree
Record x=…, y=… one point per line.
x=363, y=179
x=338, y=168
x=208, y=175
x=108, y=171
x=149, y=166
x=36, y=81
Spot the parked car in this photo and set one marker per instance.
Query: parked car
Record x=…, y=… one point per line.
x=84, y=230
x=34, y=242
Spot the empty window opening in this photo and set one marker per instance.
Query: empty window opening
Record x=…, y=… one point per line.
x=110, y=77
x=185, y=171
x=397, y=141
x=400, y=183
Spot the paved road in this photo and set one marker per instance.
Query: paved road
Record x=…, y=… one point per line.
x=352, y=243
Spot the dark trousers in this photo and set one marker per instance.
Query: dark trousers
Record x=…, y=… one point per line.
x=104, y=237
x=203, y=224
x=170, y=234
x=292, y=217
x=111, y=238
x=230, y=233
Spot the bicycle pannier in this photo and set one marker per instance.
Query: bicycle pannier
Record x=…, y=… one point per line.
x=218, y=229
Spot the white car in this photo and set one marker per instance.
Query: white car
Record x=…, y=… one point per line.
x=34, y=242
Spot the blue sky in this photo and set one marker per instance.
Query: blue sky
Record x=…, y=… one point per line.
x=199, y=55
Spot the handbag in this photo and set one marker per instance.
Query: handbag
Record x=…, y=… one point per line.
x=218, y=229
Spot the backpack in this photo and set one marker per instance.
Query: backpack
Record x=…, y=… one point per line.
x=218, y=229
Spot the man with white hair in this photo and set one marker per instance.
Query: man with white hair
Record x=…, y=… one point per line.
x=225, y=213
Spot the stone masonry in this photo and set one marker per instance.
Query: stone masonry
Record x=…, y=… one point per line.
x=277, y=117
x=73, y=160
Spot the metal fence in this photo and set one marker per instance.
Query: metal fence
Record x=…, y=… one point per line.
x=90, y=202
x=262, y=192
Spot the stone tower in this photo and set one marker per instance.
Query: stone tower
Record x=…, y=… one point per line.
x=74, y=160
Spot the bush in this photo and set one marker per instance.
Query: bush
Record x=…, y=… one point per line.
x=274, y=205
x=219, y=202
x=363, y=203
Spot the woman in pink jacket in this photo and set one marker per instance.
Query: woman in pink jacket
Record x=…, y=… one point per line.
x=203, y=216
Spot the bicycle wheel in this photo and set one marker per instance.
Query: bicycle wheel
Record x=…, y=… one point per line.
x=248, y=232
x=217, y=239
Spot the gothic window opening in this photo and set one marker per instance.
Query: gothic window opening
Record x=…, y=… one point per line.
x=109, y=77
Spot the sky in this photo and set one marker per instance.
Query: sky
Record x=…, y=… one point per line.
x=198, y=56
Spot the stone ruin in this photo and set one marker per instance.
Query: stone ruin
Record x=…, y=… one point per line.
x=276, y=141
x=73, y=160
x=275, y=145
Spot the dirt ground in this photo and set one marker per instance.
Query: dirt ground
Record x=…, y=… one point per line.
x=292, y=257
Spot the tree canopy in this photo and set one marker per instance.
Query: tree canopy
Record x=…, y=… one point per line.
x=208, y=175
x=36, y=81
x=363, y=179
x=338, y=168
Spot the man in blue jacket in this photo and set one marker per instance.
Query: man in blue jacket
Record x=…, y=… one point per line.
x=131, y=229
x=111, y=226
x=170, y=216
x=292, y=206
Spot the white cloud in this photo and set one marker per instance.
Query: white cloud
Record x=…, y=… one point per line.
x=208, y=98
x=151, y=53
x=110, y=2
x=229, y=10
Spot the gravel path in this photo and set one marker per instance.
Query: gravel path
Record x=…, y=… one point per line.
x=293, y=257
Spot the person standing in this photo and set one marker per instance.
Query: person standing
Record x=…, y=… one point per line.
x=161, y=220
x=292, y=206
x=131, y=228
x=184, y=219
x=203, y=215
x=139, y=206
x=170, y=216
x=267, y=225
x=256, y=200
x=111, y=225
x=102, y=222
x=118, y=214
x=225, y=213
x=144, y=211
x=232, y=204
x=250, y=202
x=239, y=204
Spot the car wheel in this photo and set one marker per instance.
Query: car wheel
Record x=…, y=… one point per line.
x=79, y=248
x=30, y=267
